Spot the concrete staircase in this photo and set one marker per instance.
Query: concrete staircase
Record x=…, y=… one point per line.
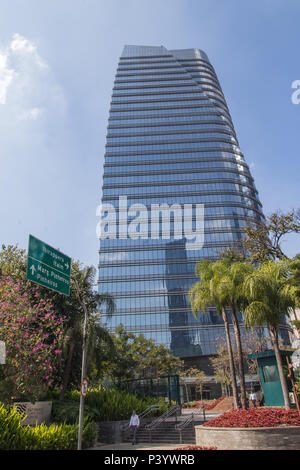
x=165, y=433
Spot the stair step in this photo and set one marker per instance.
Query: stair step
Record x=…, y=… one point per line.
x=166, y=433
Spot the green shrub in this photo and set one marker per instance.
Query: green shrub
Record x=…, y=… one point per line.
x=111, y=405
x=14, y=436
x=68, y=412
x=12, y=433
x=62, y=436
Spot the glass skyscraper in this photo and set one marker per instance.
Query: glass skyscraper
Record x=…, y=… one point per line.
x=170, y=141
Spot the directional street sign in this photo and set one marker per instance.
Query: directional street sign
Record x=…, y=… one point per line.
x=48, y=267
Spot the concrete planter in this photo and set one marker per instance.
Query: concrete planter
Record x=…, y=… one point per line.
x=36, y=413
x=279, y=438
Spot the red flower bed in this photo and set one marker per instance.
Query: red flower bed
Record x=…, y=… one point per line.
x=195, y=448
x=209, y=405
x=256, y=418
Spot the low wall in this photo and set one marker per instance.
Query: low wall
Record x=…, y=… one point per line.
x=36, y=413
x=111, y=432
x=280, y=438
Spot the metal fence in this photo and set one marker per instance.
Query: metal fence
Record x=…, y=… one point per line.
x=167, y=387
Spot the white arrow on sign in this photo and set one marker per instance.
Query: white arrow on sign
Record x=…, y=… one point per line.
x=67, y=265
x=32, y=269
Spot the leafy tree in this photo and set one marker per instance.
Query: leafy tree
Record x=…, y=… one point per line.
x=263, y=239
x=13, y=262
x=137, y=357
x=270, y=299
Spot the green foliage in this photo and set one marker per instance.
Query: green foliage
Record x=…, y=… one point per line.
x=13, y=262
x=269, y=295
x=137, y=357
x=263, y=240
x=103, y=405
x=296, y=324
x=68, y=411
x=14, y=436
x=294, y=280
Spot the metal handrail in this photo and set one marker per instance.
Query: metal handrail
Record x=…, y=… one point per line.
x=149, y=410
x=199, y=410
x=174, y=409
x=146, y=412
x=185, y=423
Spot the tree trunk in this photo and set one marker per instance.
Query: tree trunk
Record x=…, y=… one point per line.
x=186, y=392
x=231, y=361
x=67, y=370
x=240, y=357
x=274, y=337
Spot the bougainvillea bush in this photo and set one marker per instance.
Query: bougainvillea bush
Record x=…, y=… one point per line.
x=32, y=334
x=256, y=418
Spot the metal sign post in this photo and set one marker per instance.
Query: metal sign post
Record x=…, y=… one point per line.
x=83, y=390
x=2, y=352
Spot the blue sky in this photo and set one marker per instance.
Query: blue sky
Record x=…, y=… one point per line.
x=57, y=65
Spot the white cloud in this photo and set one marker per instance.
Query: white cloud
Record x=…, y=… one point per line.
x=21, y=45
x=6, y=76
x=33, y=113
x=28, y=89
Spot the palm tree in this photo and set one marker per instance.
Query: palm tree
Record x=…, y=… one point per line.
x=202, y=295
x=74, y=331
x=270, y=298
x=229, y=290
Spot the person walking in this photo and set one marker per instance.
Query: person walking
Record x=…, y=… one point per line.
x=260, y=398
x=253, y=399
x=134, y=423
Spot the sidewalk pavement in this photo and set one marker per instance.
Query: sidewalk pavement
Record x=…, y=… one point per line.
x=138, y=446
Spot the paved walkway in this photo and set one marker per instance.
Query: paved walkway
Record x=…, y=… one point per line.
x=139, y=446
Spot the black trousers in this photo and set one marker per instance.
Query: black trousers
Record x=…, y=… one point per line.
x=134, y=429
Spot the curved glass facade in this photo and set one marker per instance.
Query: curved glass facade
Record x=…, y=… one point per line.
x=170, y=140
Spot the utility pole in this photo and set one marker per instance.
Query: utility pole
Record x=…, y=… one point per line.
x=83, y=366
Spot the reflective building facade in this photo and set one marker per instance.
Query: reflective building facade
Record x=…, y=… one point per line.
x=170, y=140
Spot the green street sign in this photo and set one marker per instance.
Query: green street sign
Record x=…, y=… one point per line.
x=48, y=267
